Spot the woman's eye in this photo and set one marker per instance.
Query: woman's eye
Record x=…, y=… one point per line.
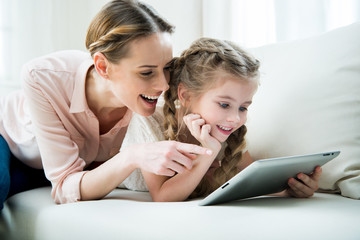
x=168, y=68
x=146, y=74
x=243, y=109
x=224, y=105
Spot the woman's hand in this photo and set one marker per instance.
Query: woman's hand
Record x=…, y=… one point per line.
x=306, y=185
x=165, y=157
x=201, y=131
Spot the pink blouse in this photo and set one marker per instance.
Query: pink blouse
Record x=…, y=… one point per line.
x=53, y=107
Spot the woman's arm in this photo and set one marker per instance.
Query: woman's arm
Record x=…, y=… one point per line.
x=141, y=148
x=60, y=154
x=160, y=159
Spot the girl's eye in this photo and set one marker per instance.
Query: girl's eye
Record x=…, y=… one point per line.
x=224, y=105
x=243, y=109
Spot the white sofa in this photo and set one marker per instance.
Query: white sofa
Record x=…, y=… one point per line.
x=309, y=101
x=131, y=215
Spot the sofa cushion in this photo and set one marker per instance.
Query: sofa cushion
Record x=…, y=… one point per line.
x=125, y=214
x=309, y=101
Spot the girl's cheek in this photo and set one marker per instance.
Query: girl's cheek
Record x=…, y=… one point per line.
x=244, y=119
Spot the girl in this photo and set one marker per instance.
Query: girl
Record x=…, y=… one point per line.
x=74, y=110
x=211, y=89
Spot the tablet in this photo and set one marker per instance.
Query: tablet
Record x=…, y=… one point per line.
x=266, y=176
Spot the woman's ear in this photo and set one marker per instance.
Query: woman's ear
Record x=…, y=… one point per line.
x=101, y=65
x=184, y=95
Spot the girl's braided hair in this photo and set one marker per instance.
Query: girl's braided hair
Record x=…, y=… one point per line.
x=195, y=69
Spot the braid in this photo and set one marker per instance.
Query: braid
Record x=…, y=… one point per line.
x=228, y=169
x=232, y=156
x=169, y=110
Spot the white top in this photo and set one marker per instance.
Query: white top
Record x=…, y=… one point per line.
x=142, y=130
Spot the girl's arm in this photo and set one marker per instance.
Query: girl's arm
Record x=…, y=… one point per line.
x=180, y=186
x=305, y=187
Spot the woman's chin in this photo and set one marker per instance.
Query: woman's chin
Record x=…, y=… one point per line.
x=145, y=112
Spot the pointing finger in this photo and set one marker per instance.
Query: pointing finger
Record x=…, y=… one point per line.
x=193, y=149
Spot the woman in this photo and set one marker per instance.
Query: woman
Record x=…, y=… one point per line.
x=73, y=114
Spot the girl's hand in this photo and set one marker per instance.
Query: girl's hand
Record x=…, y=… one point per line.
x=201, y=131
x=165, y=157
x=305, y=186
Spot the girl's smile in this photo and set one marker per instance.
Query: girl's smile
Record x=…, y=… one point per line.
x=224, y=130
x=224, y=107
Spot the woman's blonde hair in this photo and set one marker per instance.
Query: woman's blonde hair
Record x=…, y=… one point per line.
x=195, y=70
x=120, y=22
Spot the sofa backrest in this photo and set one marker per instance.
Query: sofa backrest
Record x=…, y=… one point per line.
x=309, y=101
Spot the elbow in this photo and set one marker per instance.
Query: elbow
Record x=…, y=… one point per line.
x=157, y=198
x=166, y=198
x=60, y=198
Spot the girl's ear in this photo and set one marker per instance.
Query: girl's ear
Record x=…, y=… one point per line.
x=184, y=95
x=101, y=65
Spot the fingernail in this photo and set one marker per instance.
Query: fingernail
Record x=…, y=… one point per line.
x=209, y=152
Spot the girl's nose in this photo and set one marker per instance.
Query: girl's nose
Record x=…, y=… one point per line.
x=234, y=117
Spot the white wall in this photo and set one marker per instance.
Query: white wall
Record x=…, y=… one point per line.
x=186, y=15
x=38, y=27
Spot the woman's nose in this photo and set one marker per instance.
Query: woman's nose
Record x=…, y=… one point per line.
x=162, y=83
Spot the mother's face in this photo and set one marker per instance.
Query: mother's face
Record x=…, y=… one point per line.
x=140, y=78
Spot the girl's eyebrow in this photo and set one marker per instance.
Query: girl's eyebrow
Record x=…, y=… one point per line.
x=232, y=99
x=227, y=98
x=248, y=102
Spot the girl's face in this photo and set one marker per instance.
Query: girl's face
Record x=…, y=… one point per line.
x=139, y=79
x=224, y=106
